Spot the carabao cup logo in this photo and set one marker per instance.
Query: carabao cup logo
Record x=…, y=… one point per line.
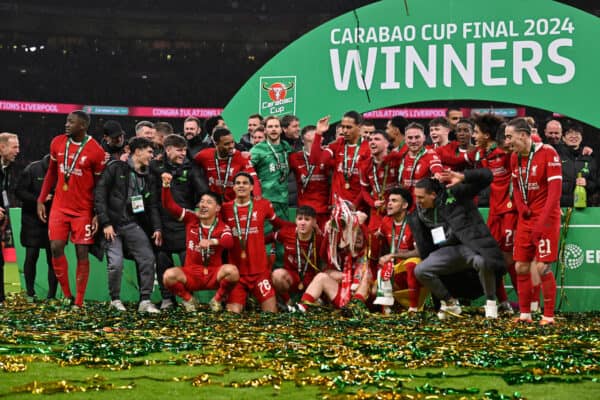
x=277, y=91
x=573, y=256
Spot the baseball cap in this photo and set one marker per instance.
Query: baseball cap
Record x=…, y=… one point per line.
x=112, y=129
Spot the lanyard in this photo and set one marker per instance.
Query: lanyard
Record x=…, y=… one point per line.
x=487, y=153
x=282, y=166
x=206, y=252
x=524, y=185
x=379, y=188
x=414, y=168
x=396, y=246
x=312, y=249
x=227, y=170
x=139, y=190
x=310, y=168
x=68, y=170
x=244, y=238
x=348, y=174
x=400, y=146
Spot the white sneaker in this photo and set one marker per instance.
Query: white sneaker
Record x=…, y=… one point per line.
x=190, y=305
x=535, y=306
x=166, y=304
x=117, y=305
x=491, y=309
x=215, y=306
x=449, y=309
x=146, y=306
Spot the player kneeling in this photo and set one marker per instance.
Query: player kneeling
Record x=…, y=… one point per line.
x=402, y=255
x=347, y=281
x=206, y=237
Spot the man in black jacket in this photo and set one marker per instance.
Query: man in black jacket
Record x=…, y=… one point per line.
x=452, y=237
x=574, y=162
x=187, y=186
x=9, y=149
x=126, y=201
x=34, y=232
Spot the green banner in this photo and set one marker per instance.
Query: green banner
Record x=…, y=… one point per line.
x=537, y=53
x=580, y=282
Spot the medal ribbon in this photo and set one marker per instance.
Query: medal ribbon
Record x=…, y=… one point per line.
x=312, y=248
x=348, y=175
x=283, y=166
x=310, y=170
x=244, y=239
x=524, y=185
x=487, y=153
x=396, y=246
x=218, y=169
x=206, y=252
x=68, y=170
x=380, y=189
x=412, y=173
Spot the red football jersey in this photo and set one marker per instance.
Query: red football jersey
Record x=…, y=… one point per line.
x=316, y=192
x=428, y=164
x=545, y=167
x=309, y=252
x=217, y=180
x=193, y=255
x=377, y=178
x=498, y=161
x=333, y=157
x=407, y=241
x=255, y=261
x=452, y=156
x=78, y=199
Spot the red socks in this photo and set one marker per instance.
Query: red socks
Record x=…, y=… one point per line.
x=178, y=289
x=413, y=285
x=524, y=292
x=223, y=290
x=61, y=269
x=307, y=298
x=549, y=291
x=82, y=274
x=360, y=297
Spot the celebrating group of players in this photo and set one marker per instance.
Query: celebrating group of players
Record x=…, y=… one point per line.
x=350, y=245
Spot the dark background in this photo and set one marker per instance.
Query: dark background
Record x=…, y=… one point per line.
x=156, y=53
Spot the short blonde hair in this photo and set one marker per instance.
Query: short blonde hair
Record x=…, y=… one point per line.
x=6, y=136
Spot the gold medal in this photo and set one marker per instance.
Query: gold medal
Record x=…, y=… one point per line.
x=65, y=187
x=205, y=271
x=300, y=286
x=347, y=185
x=243, y=255
x=509, y=204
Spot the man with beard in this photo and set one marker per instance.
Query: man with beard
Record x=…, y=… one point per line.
x=192, y=131
x=187, y=185
x=113, y=141
x=222, y=163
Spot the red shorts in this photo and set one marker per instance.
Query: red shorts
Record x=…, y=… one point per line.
x=60, y=225
x=259, y=285
x=503, y=227
x=201, y=278
x=546, y=250
x=295, y=287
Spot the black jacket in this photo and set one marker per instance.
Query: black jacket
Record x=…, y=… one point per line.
x=463, y=218
x=112, y=201
x=572, y=163
x=34, y=232
x=187, y=186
